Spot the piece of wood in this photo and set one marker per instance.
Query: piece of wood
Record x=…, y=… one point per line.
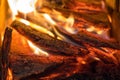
x=90, y=65
x=89, y=11
x=34, y=67
x=47, y=42
x=89, y=38
x=24, y=65
x=80, y=37
x=91, y=19
x=5, y=53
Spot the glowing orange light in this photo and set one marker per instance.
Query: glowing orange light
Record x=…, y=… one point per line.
x=24, y=6
x=37, y=50
x=35, y=26
x=69, y=25
x=9, y=76
x=109, y=18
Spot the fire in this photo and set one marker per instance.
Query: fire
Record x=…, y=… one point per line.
x=35, y=26
x=9, y=76
x=37, y=50
x=49, y=19
x=109, y=18
x=52, y=18
x=57, y=19
x=69, y=24
x=34, y=48
x=95, y=30
x=99, y=31
x=24, y=6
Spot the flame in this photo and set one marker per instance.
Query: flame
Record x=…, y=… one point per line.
x=37, y=50
x=99, y=31
x=35, y=26
x=54, y=18
x=109, y=18
x=69, y=25
x=24, y=6
x=49, y=19
x=96, y=30
x=62, y=22
x=9, y=76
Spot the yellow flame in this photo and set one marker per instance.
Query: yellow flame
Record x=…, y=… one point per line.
x=109, y=18
x=57, y=15
x=35, y=26
x=67, y=22
x=96, y=30
x=24, y=6
x=37, y=50
x=49, y=19
x=100, y=31
x=9, y=76
x=69, y=25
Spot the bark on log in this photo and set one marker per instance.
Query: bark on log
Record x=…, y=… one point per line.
x=48, y=43
x=24, y=65
x=66, y=67
x=91, y=19
x=80, y=37
x=5, y=53
x=90, y=11
x=89, y=38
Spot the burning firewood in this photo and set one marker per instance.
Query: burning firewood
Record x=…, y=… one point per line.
x=92, y=19
x=88, y=10
x=80, y=37
x=4, y=61
x=68, y=66
x=90, y=38
x=26, y=65
x=47, y=42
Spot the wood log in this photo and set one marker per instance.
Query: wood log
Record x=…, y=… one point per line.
x=90, y=11
x=92, y=65
x=47, y=42
x=24, y=65
x=5, y=53
x=91, y=19
x=80, y=37
x=72, y=66
x=89, y=38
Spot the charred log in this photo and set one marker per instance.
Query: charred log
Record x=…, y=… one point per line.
x=4, y=61
x=89, y=38
x=47, y=42
x=75, y=68
x=26, y=65
x=81, y=37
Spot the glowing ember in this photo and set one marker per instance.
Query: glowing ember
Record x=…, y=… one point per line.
x=10, y=76
x=37, y=50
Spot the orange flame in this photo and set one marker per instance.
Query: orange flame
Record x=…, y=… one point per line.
x=35, y=26
x=37, y=50
x=10, y=76
x=54, y=19
x=62, y=22
x=99, y=31
x=109, y=18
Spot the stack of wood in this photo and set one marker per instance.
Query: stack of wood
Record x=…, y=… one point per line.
x=88, y=57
